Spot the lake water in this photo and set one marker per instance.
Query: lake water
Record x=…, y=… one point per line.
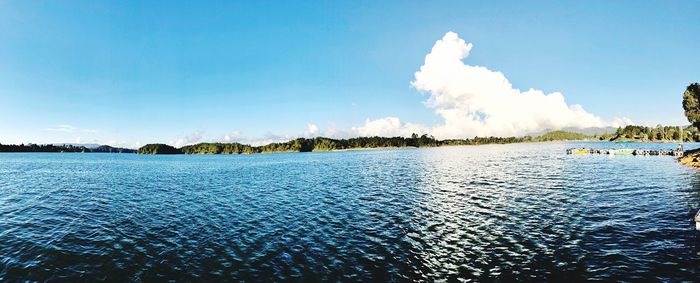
x=506, y=212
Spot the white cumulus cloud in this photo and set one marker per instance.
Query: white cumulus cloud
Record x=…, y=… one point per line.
x=476, y=101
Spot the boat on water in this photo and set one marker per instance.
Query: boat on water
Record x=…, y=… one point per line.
x=622, y=151
x=578, y=151
x=678, y=152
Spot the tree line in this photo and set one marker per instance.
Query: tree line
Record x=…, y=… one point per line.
x=296, y=145
x=328, y=144
x=658, y=133
x=61, y=148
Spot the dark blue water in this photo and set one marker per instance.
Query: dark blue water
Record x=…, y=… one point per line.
x=496, y=212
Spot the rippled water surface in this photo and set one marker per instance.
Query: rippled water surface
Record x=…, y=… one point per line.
x=508, y=212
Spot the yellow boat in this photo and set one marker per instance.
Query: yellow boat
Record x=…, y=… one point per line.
x=580, y=151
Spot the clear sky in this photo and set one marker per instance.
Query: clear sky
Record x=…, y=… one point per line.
x=129, y=73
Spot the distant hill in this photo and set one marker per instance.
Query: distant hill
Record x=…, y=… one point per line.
x=563, y=136
x=86, y=145
x=110, y=149
x=590, y=131
x=97, y=147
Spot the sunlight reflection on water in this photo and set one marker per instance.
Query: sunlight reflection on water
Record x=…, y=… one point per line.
x=509, y=212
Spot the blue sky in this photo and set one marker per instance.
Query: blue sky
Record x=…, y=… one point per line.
x=129, y=73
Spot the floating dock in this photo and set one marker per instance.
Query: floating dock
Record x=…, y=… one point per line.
x=627, y=151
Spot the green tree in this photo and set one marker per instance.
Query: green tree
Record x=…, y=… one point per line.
x=691, y=104
x=676, y=136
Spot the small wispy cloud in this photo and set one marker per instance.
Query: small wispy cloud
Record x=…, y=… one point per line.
x=122, y=144
x=267, y=139
x=311, y=131
x=66, y=128
x=63, y=128
x=190, y=138
x=233, y=136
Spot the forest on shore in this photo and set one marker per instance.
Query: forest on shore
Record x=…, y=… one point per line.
x=62, y=148
x=328, y=144
x=628, y=133
x=655, y=134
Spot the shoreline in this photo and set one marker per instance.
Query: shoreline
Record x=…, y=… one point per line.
x=650, y=141
x=331, y=150
x=695, y=152
x=691, y=158
x=375, y=148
